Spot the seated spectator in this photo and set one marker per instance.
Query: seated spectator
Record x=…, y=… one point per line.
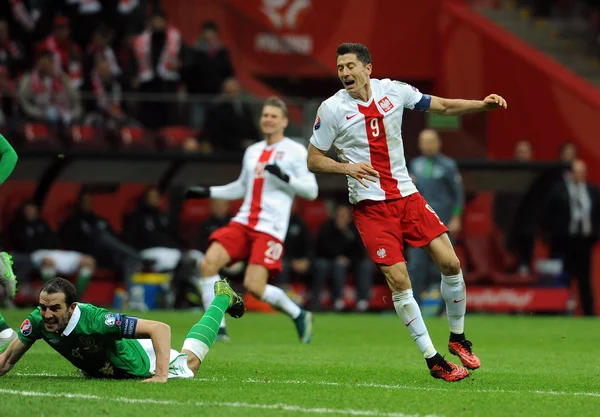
x=100, y=48
x=85, y=231
x=105, y=109
x=67, y=52
x=12, y=55
x=48, y=96
x=209, y=65
x=230, y=124
x=298, y=250
x=154, y=234
x=8, y=103
x=30, y=234
x=339, y=249
x=567, y=152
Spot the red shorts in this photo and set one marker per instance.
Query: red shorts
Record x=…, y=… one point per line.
x=385, y=225
x=243, y=243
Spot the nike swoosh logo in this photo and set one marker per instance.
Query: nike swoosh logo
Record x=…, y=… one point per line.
x=458, y=301
x=408, y=324
x=350, y=117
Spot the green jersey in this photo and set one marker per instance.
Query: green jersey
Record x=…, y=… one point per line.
x=98, y=342
x=8, y=159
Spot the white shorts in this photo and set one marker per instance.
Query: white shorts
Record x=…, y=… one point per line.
x=67, y=261
x=166, y=259
x=178, y=367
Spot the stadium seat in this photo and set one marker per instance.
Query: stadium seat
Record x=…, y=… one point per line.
x=87, y=137
x=193, y=212
x=135, y=138
x=173, y=136
x=40, y=136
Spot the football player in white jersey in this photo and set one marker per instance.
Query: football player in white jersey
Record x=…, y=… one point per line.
x=363, y=123
x=273, y=172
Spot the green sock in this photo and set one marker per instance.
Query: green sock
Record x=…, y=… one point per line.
x=83, y=280
x=3, y=325
x=206, y=329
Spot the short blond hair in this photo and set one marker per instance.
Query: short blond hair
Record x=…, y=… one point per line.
x=275, y=101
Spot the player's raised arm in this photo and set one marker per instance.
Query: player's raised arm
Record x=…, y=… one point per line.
x=8, y=159
x=232, y=191
x=160, y=334
x=11, y=355
x=455, y=107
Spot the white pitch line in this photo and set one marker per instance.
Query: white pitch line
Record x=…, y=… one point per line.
x=237, y=404
x=369, y=385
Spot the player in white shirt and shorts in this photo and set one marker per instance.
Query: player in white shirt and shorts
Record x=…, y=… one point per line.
x=274, y=171
x=363, y=122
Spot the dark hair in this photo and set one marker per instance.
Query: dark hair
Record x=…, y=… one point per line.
x=210, y=25
x=277, y=102
x=361, y=51
x=61, y=285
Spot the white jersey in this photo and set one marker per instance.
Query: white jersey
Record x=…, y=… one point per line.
x=371, y=132
x=267, y=199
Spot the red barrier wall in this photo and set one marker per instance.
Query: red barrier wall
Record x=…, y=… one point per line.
x=547, y=103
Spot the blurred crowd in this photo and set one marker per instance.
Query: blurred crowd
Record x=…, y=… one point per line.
x=112, y=64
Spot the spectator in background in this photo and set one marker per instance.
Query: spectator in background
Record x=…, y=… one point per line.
x=219, y=217
x=8, y=102
x=158, y=57
x=517, y=221
x=339, y=249
x=85, y=16
x=47, y=95
x=12, y=54
x=30, y=234
x=438, y=180
x=100, y=48
x=85, y=231
x=230, y=124
x=523, y=151
x=208, y=67
x=129, y=16
x=67, y=52
x=298, y=250
x=571, y=222
x=154, y=234
x=567, y=152
x=106, y=108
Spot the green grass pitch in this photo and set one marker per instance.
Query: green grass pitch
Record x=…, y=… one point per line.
x=357, y=365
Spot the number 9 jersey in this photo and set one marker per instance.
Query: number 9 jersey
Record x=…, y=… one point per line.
x=371, y=132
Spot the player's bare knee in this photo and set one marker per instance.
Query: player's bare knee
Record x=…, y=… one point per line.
x=450, y=266
x=209, y=267
x=193, y=361
x=397, y=277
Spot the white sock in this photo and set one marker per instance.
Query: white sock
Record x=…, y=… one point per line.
x=207, y=286
x=409, y=312
x=280, y=301
x=454, y=293
x=198, y=348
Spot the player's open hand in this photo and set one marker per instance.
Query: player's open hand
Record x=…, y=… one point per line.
x=156, y=379
x=362, y=171
x=494, y=101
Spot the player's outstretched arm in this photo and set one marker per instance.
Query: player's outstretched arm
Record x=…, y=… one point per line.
x=160, y=334
x=11, y=355
x=319, y=163
x=455, y=107
x=8, y=159
x=300, y=180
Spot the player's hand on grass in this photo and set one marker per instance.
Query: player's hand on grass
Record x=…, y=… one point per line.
x=362, y=171
x=156, y=378
x=197, y=192
x=494, y=101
